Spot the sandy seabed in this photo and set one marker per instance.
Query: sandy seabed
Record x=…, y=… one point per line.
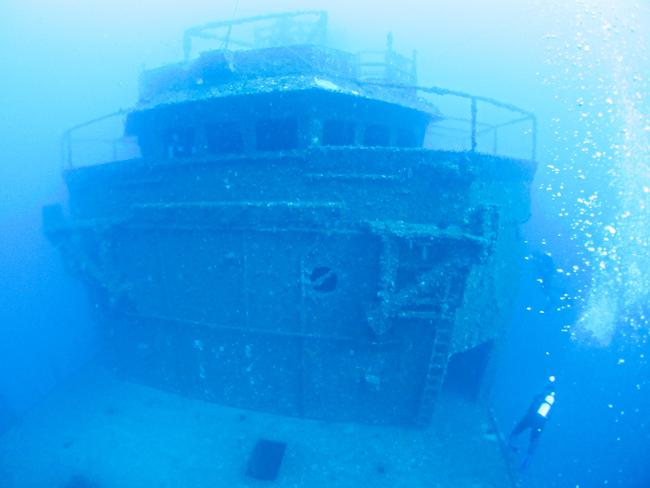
x=101, y=432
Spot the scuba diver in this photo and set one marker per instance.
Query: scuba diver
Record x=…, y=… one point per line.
x=535, y=419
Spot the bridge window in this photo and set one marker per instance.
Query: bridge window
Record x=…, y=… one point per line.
x=338, y=133
x=179, y=142
x=277, y=134
x=224, y=137
x=376, y=135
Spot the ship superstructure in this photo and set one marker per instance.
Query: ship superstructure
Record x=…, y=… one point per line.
x=287, y=239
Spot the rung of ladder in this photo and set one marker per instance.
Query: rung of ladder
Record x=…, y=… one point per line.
x=418, y=314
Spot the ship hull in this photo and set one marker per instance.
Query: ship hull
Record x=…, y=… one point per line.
x=331, y=284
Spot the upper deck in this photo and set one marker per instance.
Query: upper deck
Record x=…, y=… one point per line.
x=272, y=83
x=285, y=90
x=278, y=53
x=226, y=73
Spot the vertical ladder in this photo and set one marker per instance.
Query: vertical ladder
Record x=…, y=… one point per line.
x=436, y=371
x=443, y=322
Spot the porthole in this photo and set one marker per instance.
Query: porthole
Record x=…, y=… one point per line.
x=323, y=279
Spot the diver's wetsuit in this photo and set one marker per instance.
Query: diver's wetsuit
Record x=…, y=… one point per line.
x=535, y=420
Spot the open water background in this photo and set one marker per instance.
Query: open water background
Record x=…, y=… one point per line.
x=581, y=66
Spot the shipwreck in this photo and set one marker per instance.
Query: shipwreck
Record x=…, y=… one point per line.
x=295, y=229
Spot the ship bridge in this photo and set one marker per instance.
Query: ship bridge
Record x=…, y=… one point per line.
x=272, y=82
x=285, y=90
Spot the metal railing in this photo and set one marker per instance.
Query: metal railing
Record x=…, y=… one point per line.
x=300, y=27
x=99, y=147
x=484, y=127
x=388, y=69
x=467, y=131
x=387, y=66
x=472, y=127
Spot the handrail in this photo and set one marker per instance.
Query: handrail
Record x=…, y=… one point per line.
x=474, y=123
x=384, y=68
x=66, y=137
x=393, y=67
x=202, y=31
x=477, y=128
x=527, y=116
x=487, y=128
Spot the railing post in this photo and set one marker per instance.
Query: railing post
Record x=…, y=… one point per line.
x=473, y=124
x=534, y=142
x=63, y=150
x=414, y=68
x=322, y=29
x=389, y=72
x=68, y=147
x=187, y=46
x=228, y=33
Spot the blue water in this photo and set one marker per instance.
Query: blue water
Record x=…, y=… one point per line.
x=582, y=67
